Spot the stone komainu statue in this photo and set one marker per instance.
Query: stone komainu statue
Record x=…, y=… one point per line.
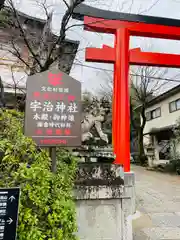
x=94, y=115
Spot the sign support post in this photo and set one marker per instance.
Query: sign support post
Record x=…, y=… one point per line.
x=52, y=153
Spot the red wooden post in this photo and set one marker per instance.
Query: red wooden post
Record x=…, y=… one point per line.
x=122, y=111
x=114, y=103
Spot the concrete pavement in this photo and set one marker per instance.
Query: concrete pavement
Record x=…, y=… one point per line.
x=158, y=204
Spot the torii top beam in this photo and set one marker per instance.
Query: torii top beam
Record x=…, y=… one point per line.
x=145, y=26
x=84, y=10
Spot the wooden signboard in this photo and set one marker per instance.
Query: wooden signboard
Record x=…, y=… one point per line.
x=53, y=109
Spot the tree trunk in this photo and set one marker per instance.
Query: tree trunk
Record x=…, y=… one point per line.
x=2, y=98
x=142, y=157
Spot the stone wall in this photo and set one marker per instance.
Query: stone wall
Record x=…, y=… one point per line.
x=104, y=202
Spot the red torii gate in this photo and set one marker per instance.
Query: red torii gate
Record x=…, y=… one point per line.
x=123, y=26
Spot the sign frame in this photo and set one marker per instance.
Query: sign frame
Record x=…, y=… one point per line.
x=55, y=79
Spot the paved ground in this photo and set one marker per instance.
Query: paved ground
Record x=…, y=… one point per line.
x=158, y=201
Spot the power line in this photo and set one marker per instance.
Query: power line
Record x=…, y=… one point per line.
x=97, y=68
x=157, y=78
x=136, y=75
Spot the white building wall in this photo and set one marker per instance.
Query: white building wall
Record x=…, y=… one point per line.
x=12, y=71
x=167, y=118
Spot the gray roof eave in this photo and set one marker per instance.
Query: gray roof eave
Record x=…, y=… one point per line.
x=157, y=130
x=164, y=96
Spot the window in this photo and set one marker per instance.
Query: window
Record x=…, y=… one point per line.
x=178, y=104
x=174, y=106
x=148, y=116
x=158, y=112
x=153, y=114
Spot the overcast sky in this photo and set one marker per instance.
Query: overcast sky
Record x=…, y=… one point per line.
x=92, y=78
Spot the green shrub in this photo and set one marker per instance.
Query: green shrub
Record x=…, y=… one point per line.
x=47, y=210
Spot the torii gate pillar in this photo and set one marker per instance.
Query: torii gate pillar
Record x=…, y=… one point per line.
x=121, y=112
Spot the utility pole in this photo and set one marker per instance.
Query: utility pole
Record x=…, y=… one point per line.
x=1, y=4
x=2, y=100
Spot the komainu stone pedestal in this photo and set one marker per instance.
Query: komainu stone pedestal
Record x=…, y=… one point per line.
x=99, y=193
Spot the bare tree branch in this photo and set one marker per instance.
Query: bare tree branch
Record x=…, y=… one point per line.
x=17, y=54
x=149, y=8
x=67, y=5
